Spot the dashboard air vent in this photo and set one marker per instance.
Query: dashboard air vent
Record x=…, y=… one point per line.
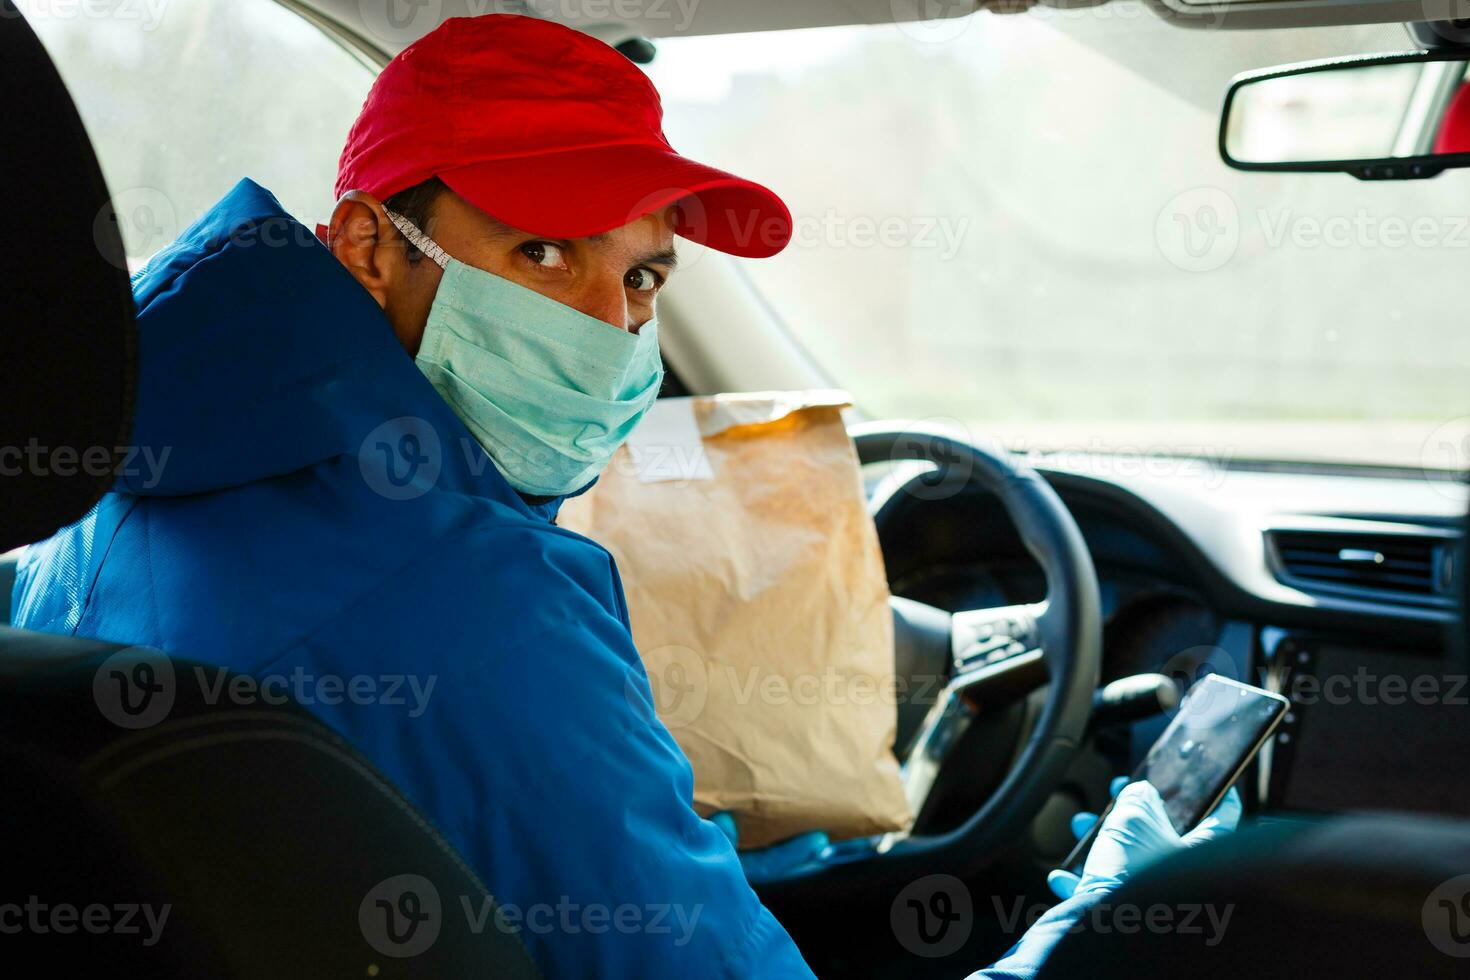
x=1406, y=566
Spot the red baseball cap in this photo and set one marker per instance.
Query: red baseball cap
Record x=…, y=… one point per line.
x=548, y=130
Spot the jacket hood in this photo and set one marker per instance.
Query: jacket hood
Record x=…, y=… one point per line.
x=260, y=355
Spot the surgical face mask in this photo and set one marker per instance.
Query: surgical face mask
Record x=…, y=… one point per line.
x=550, y=392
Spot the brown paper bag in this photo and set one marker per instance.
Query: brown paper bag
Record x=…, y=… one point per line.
x=760, y=606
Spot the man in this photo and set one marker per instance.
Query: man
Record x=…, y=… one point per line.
x=365, y=441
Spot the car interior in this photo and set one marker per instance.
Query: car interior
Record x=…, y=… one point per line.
x=1281, y=499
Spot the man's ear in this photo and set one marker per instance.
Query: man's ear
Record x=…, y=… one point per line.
x=365, y=242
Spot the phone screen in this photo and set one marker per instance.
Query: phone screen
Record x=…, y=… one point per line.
x=1220, y=726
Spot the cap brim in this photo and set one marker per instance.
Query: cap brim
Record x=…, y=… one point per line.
x=576, y=193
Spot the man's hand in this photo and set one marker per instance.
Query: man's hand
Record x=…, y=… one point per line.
x=772, y=862
x=1136, y=833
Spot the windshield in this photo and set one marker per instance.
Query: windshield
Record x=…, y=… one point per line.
x=1022, y=223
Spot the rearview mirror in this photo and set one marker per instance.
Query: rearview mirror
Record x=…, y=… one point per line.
x=1381, y=117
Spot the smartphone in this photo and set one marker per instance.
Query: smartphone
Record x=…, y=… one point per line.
x=1220, y=727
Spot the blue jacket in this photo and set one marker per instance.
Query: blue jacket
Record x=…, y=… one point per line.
x=301, y=506
x=304, y=508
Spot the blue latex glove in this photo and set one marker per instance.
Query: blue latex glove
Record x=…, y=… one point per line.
x=769, y=863
x=1136, y=833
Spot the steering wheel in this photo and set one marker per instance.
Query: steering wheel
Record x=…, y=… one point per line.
x=990, y=655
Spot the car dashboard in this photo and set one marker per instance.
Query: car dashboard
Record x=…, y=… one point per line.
x=1338, y=590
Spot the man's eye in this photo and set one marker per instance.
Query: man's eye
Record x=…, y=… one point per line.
x=642, y=279
x=544, y=254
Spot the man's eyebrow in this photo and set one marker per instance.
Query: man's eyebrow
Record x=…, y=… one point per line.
x=666, y=257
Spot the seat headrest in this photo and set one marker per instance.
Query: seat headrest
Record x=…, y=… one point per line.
x=67, y=340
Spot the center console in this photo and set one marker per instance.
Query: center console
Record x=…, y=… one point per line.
x=1370, y=727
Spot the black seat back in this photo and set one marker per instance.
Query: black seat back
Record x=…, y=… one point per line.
x=1352, y=896
x=67, y=343
x=151, y=828
x=244, y=841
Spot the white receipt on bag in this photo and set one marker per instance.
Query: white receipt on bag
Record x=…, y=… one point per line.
x=666, y=445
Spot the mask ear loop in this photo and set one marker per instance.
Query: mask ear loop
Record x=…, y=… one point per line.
x=418, y=239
